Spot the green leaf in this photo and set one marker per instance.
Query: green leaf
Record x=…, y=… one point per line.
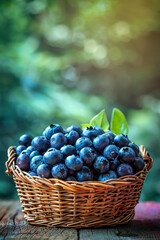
x=85, y=125
x=118, y=122
x=100, y=120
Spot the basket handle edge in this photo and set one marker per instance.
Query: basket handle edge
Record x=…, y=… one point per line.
x=11, y=157
x=147, y=158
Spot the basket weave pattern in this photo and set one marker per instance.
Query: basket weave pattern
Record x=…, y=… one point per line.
x=53, y=202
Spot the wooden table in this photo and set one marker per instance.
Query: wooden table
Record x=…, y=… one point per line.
x=146, y=225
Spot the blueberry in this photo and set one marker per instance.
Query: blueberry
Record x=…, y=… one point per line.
x=44, y=171
x=107, y=176
x=126, y=155
x=52, y=129
x=83, y=142
x=99, y=129
x=138, y=164
x=85, y=174
x=71, y=178
x=88, y=155
x=32, y=173
x=111, y=135
x=121, y=140
x=23, y=161
x=90, y=132
x=124, y=169
x=20, y=148
x=111, y=152
x=58, y=140
x=101, y=164
x=24, y=151
x=74, y=163
x=101, y=142
x=34, y=153
x=59, y=171
x=35, y=162
x=29, y=150
x=52, y=156
x=40, y=143
x=68, y=150
x=75, y=128
x=134, y=147
x=72, y=137
x=25, y=140
x=114, y=164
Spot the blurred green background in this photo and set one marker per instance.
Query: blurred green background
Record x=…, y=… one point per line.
x=64, y=61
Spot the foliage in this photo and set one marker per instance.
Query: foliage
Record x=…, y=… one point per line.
x=63, y=61
x=99, y=120
x=118, y=122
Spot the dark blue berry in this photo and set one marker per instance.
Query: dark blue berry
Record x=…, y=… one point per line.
x=32, y=173
x=71, y=178
x=72, y=137
x=111, y=135
x=58, y=140
x=134, y=147
x=74, y=163
x=124, y=169
x=44, y=171
x=114, y=164
x=101, y=164
x=40, y=143
x=52, y=129
x=138, y=164
x=121, y=140
x=75, y=128
x=99, y=129
x=83, y=142
x=126, y=155
x=24, y=151
x=34, y=153
x=35, y=162
x=107, y=176
x=20, y=148
x=29, y=150
x=111, y=152
x=68, y=150
x=23, y=161
x=85, y=174
x=59, y=171
x=88, y=155
x=90, y=132
x=25, y=140
x=52, y=156
x=101, y=142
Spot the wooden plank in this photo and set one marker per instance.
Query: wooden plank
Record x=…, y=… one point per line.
x=3, y=208
x=146, y=225
x=98, y=234
x=13, y=226
x=44, y=233
x=11, y=214
x=135, y=230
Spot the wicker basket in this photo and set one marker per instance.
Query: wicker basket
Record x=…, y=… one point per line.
x=53, y=202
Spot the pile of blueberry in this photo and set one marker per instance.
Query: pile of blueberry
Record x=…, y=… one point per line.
x=76, y=155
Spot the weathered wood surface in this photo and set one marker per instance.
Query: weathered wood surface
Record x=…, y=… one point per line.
x=146, y=225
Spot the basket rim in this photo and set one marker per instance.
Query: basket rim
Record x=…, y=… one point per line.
x=12, y=168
